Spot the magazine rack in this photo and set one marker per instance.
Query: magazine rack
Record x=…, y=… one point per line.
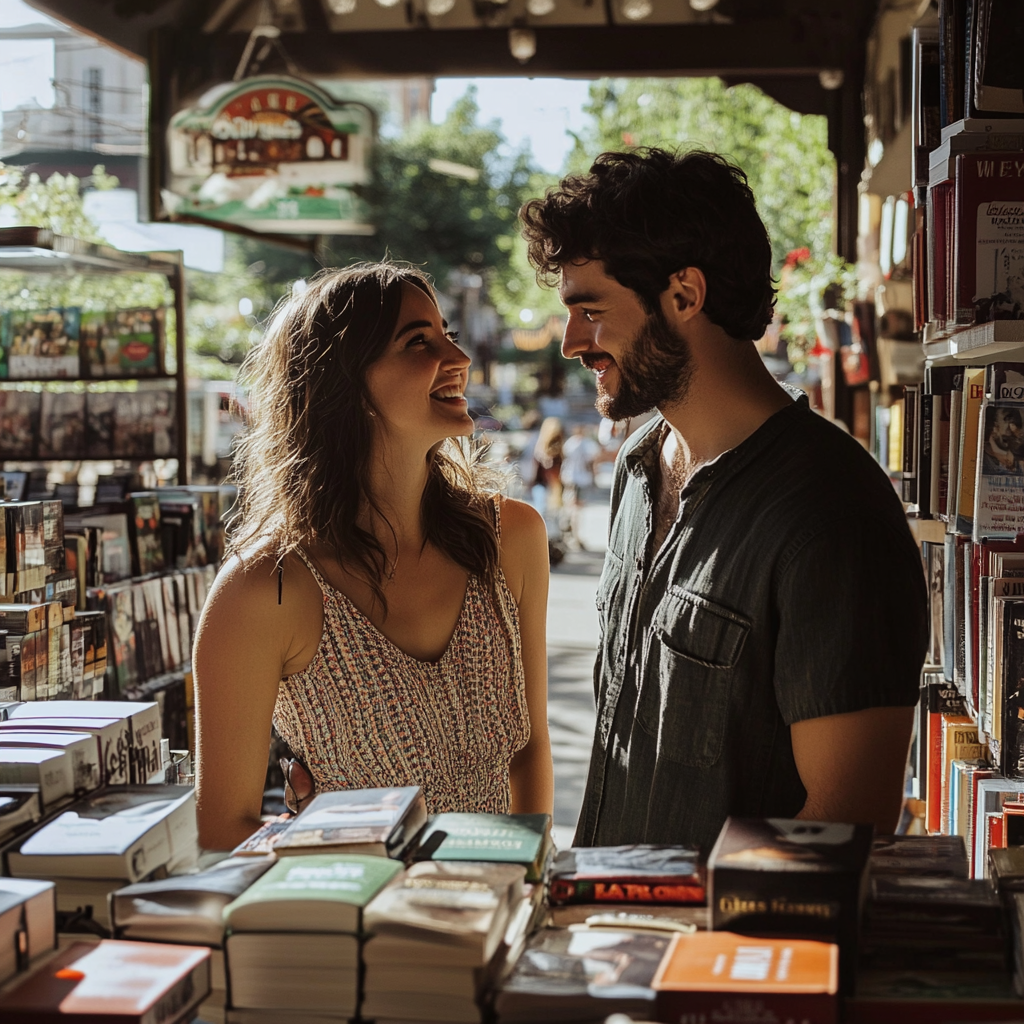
x=39, y=251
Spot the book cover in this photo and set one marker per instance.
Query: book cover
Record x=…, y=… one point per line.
x=111, y=834
x=42, y=345
x=137, y=333
x=61, y=425
x=19, y=807
x=130, y=982
x=372, y=821
x=503, y=838
x=456, y=905
x=583, y=975
x=101, y=412
x=959, y=742
x=999, y=493
x=780, y=877
x=184, y=908
x=973, y=395
x=989, y=282
x=642, y=873
x=144, y=531
x=19, y=414
x=707, y=975
x=317, y=893
x=944, y=856
x=997, y=85
x=264, y=839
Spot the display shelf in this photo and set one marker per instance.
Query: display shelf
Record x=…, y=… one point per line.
x=40, y=251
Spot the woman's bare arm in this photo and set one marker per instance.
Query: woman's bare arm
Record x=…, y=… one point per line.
x=525, y=564
x=245, y=643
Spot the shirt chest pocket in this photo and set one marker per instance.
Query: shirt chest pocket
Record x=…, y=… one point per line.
x=688, y=677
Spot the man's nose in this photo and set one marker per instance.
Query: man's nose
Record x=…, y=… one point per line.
x=577, y=339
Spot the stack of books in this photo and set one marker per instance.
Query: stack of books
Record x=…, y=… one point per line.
x=27, y=924
x=113, y=836
x=292, y=946
x=436, y=932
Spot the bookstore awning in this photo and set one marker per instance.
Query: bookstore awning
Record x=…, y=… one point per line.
x=808, y=54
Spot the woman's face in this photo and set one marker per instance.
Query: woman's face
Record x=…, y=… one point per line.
x=418, y=384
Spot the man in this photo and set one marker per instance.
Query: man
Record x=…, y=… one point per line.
x=763, y=605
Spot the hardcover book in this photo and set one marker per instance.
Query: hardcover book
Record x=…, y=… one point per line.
x=82, y=748
x=19, y=807
x=49, y=769
x=626, y=874
x=712, y=975
x=37, y=900
x=115, y=833
x=583, y=975
x=320, y=893
x=111, y=734
x=41, y=345
x=130, y=982
x=62, y=425
x=943, y=856
x=144, y=532
x=790, y=878
x=377, y=822
x=19, y=411
x=502, y=838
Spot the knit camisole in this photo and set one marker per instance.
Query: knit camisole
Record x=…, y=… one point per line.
x=364, y=713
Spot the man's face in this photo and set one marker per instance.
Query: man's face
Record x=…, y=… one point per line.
x=639, y=361
x=1007, y=432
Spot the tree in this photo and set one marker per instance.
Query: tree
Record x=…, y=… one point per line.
x=785, y=154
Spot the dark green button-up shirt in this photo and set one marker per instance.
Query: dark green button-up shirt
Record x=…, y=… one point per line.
x=788, y=588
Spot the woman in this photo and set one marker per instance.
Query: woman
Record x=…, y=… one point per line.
x=384, y=611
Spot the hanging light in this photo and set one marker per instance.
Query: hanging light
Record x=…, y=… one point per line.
x=540, y=8
x=388, y=3
x=341, y=6
x=439, y=8
x=637, y=10
x=522, y=42
x=703, y=5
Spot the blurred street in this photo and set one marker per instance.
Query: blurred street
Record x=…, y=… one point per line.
x=572, y=644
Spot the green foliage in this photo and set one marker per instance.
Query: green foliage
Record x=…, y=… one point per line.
x=784, y=154
x=427, y=215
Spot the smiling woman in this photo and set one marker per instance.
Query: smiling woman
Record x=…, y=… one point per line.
x=382, y=606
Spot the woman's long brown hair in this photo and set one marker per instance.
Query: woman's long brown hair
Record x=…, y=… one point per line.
x=303, y=463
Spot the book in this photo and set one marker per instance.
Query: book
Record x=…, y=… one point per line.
x=316, y=893
x=122, y=833
x=309, y=972
x=442, y=914
x=899, y=996
x=970, y=415
x=130, y=982
x=377, y=822
x=583, y=975
x=24, y=618
x=989, y=260
x=49, y=769
x=61, y=425
x=999, y=486
x=142, y=718
x=144, y=532
x=36, y=899
x=502, y=838
x=19, y=411
x=944, y=856
x=123, y=343
x=781, y=877
x=82, y=747
x=20, y=807
x=185, y=908
x=265, y=839
x=997, y=83
x=705, y=976
x=111, y=735
x=41, y=344
x=642, y=873
x=100, y=413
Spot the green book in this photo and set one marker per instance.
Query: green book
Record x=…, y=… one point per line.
x=500, y=838
x=322, y=893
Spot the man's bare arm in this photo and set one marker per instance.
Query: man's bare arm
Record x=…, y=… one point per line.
x=853, y=765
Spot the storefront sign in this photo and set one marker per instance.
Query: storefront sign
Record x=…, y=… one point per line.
x=270, y=154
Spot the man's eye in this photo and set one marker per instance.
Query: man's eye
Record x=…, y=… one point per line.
x=590, y=314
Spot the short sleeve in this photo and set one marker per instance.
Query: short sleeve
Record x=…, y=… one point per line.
x=853, y=621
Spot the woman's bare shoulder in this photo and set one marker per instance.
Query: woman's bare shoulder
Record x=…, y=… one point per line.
x=258, y=577
x=524, y=543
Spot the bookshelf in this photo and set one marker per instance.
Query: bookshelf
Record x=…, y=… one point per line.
x=37, y=251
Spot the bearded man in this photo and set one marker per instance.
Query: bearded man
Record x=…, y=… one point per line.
x=763, y=605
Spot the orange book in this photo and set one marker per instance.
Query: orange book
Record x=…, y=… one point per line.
x=704, y=975
x=114, y=982
x=958, y=741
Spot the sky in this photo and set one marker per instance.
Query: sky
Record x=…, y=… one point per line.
x=540, y=110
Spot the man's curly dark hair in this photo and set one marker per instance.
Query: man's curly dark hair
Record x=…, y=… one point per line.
x=649, y=213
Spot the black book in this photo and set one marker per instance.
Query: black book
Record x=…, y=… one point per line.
x=62, y=425
x=19, y=411
x=791, y=879
x=1011, y=741
x=100, y=409
x=996, y=83
x=145, y=532
x=944, y=856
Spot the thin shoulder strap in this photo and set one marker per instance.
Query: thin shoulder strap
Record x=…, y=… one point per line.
x=320, y=581
x=497, y=515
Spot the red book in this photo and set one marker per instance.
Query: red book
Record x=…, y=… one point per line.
x=110, y=983
x=988, y=257
x=712, y=976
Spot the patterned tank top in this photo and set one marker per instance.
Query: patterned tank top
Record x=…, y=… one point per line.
x=364, y=713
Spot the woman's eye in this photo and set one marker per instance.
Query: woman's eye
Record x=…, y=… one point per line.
x=419, y=339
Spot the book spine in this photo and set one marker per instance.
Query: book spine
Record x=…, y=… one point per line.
x=563, y=891
x=741, y=1006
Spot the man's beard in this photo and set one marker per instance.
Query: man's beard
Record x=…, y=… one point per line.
x=655, y=370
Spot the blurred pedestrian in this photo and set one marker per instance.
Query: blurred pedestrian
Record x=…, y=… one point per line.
x=578, y=456
x=547, y=461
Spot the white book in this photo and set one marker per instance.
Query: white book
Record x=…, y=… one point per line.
x=39, y=900
x=19, y=806
x=51, y=770
x=144, y=731
x=82, y=746
x=112, y=741
x=116, y=834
